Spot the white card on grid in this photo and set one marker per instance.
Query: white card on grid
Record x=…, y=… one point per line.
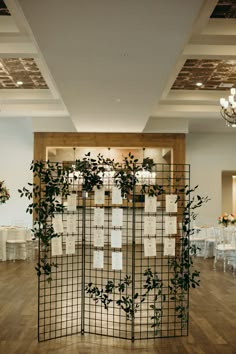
x=116, y=238
x=99, y=195
x=149, y=225
x=71, y=224
x=117, y=217
x=98, y=259
x=70, y=245
x=171, y=204
x=150, y=247
x=57, y=224
x=169, y=247
x=150, y=205
x=71, y=202
x=116, y=195
x=116, y=260
x=56, y=246
x=98, y=238
x=170, y=225
x=99, y=216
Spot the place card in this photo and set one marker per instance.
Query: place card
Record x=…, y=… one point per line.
x=116, y=238
x=150, y=205
x=116, y=195
x=170, y=225
x=169, y=246
x=171, y=203
x=98, y=259
x=99, y=216
x=117, y=217
x=70, y=245
x=98, y=238
x=116, y=260
x=71, y=202
x=150, y=247
x=57, y=224
x=99, y=195
x=56, y=246
x=149, y=225
x=71, y=224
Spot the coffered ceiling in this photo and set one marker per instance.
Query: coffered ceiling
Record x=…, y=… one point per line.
x=210, y=74
x=20, y=73
x=121, y=66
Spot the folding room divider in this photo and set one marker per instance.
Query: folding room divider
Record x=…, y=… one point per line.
x=117, y=262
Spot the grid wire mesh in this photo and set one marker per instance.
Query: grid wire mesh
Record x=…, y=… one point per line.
x=64, y=307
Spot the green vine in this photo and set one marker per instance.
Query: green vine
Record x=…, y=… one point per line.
x=52, y=185
x=92, y=170
x=126, y=174
x=184, y=276
x=128, y=303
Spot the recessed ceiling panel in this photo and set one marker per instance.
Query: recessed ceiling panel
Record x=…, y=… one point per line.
x=3, y=9
x=20, y=73
x=224, y=9
x=212, y=74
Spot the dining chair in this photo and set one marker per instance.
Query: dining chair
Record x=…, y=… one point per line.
x=210, y=241
x=16, y=243
x=197, y=240
x=225, y=247
x=231, y=256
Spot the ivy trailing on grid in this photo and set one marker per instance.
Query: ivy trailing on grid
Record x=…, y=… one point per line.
x=52, y=183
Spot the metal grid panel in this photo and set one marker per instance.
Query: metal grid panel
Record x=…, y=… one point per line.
x=60, y=301
x=64, y=306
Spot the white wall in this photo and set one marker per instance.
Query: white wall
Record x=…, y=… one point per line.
x=209, y=155
x=16, y=154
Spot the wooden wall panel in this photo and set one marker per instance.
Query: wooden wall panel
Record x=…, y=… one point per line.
x=174, y=141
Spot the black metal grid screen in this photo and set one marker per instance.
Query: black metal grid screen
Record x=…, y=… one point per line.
x=64, y=306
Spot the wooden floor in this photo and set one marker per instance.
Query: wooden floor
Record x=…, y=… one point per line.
x=212, y=326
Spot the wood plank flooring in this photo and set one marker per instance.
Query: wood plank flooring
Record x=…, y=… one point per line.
x=212, y=328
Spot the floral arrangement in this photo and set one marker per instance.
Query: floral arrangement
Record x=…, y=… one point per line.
x=4, y=193
x=226, y=219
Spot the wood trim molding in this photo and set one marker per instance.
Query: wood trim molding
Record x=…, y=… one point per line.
x=175, y=141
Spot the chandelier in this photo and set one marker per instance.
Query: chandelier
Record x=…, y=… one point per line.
x=228, y=108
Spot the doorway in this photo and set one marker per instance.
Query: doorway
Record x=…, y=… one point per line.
x=228, y=204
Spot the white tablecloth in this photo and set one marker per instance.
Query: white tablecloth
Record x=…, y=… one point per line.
x=12, y=233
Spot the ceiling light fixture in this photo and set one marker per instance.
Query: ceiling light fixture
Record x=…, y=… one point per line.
x=199, y=84
x=19, y=83
x=228, y=108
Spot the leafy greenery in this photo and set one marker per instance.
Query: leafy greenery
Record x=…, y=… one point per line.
x=126, y=174
x=92, y=170
x=130, y=303
x=50, y=185
x=184, y=276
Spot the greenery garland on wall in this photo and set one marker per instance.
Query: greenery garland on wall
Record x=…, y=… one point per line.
x=52, y=183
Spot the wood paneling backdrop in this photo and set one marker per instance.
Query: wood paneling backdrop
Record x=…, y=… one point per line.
x=53, y=140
